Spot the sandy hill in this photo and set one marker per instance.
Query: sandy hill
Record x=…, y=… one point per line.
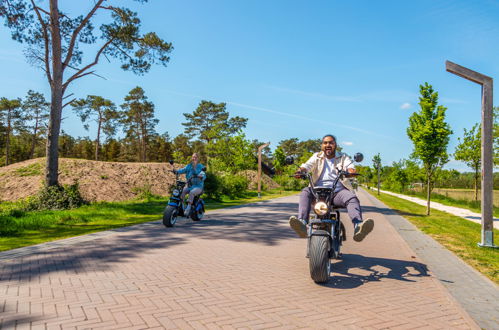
x=99, y=181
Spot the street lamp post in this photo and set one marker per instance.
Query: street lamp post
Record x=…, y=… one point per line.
x=487, y=151
x=260, y=168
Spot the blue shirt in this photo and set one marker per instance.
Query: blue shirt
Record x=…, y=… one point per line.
x=191, y=174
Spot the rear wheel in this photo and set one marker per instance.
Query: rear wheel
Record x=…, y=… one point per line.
x=319, y=263
x=198, y=212
x=170, y=216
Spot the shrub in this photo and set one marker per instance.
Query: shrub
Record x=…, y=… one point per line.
x=213, y=186
x=57, y=198
x=288, y=183
x=234, y=185
x=143, y=192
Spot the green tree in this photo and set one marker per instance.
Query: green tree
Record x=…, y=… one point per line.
x=232, y=154
x=101, y=111
x=377, y=167
x=36, y=112
x=138, y=120
x=54, y=40
x=182, y=149
x=429, y=133
x=469, y=151
x=279, y=160
x=210, y=122
x=10, y=115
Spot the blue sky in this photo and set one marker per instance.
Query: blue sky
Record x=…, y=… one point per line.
x=299, y=69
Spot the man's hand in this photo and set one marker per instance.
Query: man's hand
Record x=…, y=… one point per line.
x=299, y=173
x=174, y=171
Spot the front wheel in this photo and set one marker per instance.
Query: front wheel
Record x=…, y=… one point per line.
x=170, y=216
x=319, y=263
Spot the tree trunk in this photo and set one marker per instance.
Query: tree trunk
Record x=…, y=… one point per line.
x=428, y=194
x=7, y=139
x=52, y=168
x=97, y=140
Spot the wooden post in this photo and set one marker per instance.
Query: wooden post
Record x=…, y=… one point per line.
x=487, y=149
x=260, y=168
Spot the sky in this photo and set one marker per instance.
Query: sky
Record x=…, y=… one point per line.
x=297, y=68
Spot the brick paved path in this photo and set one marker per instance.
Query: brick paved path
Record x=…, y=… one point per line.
x=240, y=268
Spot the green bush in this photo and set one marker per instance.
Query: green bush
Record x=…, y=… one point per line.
x=213, y=186
x=57, y=198
x=288, y=183
x=234, y=185
x=143, y=192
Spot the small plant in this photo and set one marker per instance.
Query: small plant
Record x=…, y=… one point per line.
x=143, y=192
x=104, y=177
x=57, y=198
x=30, y=170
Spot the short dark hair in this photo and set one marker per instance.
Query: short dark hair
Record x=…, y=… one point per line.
x=329, y=135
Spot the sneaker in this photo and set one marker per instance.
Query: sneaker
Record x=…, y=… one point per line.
x=187, y=211
x=299, y=226
x=362, y=229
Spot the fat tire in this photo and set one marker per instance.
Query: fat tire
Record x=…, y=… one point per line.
x=319, y=262
x=197, y=215
x=170, y=216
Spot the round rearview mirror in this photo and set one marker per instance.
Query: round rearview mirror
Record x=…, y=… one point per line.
x=358, y=157
x=171, y=162
x=289, y=160
x=203, y=169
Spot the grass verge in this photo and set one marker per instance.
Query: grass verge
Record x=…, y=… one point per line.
x=455, y=233
x=19, y=228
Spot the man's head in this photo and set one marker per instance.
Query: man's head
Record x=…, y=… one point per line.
x=195, y=158
x=328, y=145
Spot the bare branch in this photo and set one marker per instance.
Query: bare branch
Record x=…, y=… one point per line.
x=46, y=41
x=68, y=103
x=65, y=97
x=80, y=73
x=72, y=43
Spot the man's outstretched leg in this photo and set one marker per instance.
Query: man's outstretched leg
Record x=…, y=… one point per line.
x=299, y=224
x=346, y=198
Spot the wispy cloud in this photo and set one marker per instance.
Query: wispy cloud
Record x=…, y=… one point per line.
x=347, y=143
x=315, y=94
x=405, y=106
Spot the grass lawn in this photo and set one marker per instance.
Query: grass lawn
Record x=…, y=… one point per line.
x=455, y=233
x=19, y=228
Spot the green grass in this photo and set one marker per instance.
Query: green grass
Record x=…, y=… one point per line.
x=19, y=228
x=455, y=233
x=30, y=170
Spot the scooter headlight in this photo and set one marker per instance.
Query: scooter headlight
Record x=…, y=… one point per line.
x=175, y=192
x=320, y=208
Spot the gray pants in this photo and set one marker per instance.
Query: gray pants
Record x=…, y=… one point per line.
x=343, y=198
x=193, y=193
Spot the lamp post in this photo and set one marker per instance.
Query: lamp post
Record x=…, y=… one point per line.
x=487, y=151
x=260, y=168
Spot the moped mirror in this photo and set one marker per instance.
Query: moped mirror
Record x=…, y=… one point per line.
x=289, y=160
x=358, y=157
x=203, y=169
x=170, y=161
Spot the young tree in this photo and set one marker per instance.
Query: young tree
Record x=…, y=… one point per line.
x=101, y=111
x=279, y=160
x=36, y=111
x=138, y=119
x=182, y=149
x=10, y=115
x=377, y=167
x=469, y=151
x=430, y=135
x=54, y=38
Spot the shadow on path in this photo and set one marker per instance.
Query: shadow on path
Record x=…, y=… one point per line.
x=354, y=270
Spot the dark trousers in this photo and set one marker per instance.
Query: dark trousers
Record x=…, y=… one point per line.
x=343, y=198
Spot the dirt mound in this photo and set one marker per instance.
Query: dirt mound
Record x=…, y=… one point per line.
x=99, y=181
x=252, y=176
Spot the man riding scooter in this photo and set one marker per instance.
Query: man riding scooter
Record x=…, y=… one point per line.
x=324, y=166
x=195, y=177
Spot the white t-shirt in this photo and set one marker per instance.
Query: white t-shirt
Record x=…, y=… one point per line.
x=328, y=175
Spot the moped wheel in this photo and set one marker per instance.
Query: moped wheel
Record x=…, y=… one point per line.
x=197, y=215
x=319, y=263
x=170, y=216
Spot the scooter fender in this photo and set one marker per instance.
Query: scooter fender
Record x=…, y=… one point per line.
x=319, y=233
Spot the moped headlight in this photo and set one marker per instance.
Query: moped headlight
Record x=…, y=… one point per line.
x=175, y=192
x=320, y=208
